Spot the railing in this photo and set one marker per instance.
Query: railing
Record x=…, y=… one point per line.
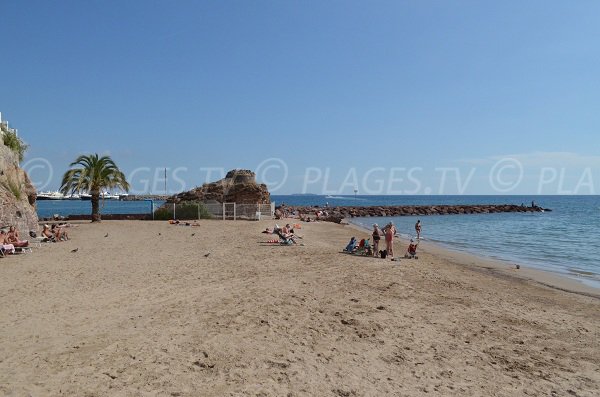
x=234, y=211
x=5, y=128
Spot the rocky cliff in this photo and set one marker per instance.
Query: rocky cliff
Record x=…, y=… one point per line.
x=17, y=194
x=238, y=186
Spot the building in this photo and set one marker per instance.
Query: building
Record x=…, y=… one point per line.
x=4, y=127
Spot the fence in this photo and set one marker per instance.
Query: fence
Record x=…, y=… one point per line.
x=194, y=211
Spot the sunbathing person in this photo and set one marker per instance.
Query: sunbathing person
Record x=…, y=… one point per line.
x=5, y=244
x=60, y=233
x=285, y=234
x=48, y=234
x=287, y=229
x=13, y=238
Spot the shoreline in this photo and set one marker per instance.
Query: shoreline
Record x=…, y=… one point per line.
x=498, y=267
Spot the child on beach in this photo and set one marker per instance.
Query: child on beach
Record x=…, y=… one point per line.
x=411, y=251
x=418, y=229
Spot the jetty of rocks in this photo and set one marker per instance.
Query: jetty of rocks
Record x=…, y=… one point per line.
x=337, y=214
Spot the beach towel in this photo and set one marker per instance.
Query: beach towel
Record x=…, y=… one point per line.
x=8, y=248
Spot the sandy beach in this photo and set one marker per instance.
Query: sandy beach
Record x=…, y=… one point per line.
x=144, y=312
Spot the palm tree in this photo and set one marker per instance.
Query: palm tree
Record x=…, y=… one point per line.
x=94, y=174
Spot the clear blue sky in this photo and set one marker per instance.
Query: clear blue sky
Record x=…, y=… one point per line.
x=320, y=84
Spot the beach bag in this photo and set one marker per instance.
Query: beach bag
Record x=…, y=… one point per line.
x=383, y=254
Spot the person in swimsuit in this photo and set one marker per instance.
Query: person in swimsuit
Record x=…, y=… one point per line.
x=5, y=244
x=47, y=234
x=411, y=251
x=13, y=238
x=390, y=232
x=418, y=229
x=376, y=237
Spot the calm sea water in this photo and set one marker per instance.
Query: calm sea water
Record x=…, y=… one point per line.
x=564, y=241
x=49, y=208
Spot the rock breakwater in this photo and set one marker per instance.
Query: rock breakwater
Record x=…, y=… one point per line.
x=337, y=214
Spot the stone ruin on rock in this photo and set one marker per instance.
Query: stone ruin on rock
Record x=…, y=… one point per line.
x=238, y=186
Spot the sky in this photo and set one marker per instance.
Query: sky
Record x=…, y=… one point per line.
x=325, y=97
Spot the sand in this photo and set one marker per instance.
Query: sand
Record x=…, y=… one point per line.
x=142, y=314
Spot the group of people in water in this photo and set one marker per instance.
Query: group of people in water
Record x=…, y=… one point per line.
x=11, y=242
x=388, y=232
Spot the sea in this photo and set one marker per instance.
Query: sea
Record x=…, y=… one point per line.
x=565, y=240
x=50, y=208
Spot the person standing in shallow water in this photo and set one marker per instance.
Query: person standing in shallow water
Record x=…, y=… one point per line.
x=418, y=228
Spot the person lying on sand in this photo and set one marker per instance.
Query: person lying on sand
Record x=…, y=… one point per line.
x=60, y=233
x=47, y=234
x=285, y=234
x=54, y=234
x=180, y=223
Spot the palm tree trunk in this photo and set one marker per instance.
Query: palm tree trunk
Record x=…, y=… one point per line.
x=96, y=207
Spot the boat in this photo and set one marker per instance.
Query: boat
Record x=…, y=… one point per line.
x=103, y=196
x=109, y=196
x=50, y=196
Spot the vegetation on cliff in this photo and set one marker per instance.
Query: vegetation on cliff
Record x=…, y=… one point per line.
x=14, y=143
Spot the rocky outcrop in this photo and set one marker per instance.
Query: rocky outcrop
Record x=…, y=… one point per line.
x=17, y=194
x=238, y=186
x=336, y=214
